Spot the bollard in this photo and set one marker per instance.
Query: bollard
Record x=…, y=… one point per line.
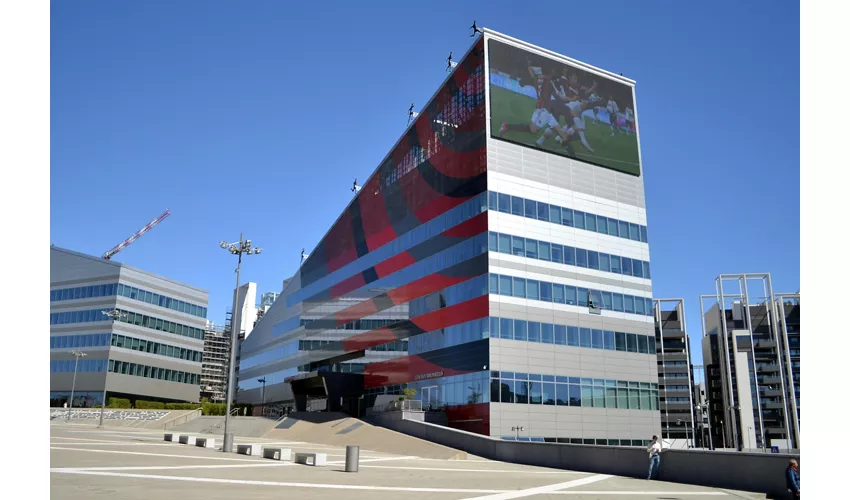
x=352, y=458
x=227, y=445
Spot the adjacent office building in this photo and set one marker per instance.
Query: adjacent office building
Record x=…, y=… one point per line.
x=215, y=362
x=675, y=373
x=496, y=262
x=153, y=348
x=751, y=352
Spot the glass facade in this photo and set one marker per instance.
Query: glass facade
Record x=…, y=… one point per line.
x=84, y=365
x=131, y=292
x=564, y=216
x=152, y=372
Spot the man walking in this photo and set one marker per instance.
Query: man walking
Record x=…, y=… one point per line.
x=654, y=451
x=792, y=479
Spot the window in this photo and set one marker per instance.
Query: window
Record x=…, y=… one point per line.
x=631, y=342
x=604, y=262
x=601, y=224
x=543, y=211
x=578, y=218
x=546, y=333
x=531, y=248
x=582, y=296
x=533, y=331
x=531, y=209
x=596, y=339
x=592, y=259
x=643, y=345
x=560, y=334
x=494, y=284
x=545, y=291
x=554, y=214
x=630, y=303
x=518, y=246
x=620, y=341
x=543, y=251
x=584, y=338
x=533, y=289
x=517, y=205
x=572, y=336
x=618, y=302
x=494, y=241
x=569, y=255
x=519, y=287
x=643, y=235
x=581, y=257
x=627, y=266
x=590, y=222
x=567, y=217
x=607, y=301
x=634, y=232
x=637, y=269
x=520, y=330
x=639, y=303
x=624, y=229
x=507, y=328
x=609, y=340
x=571, y=295
x=505, y=287
x=504, y=203
x=557, y=253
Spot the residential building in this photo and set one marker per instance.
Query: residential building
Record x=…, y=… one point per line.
x=747, y=370
x=498, y=269
x=675, y=373
x=153, y=348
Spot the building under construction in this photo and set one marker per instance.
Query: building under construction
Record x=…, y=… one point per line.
x=214, y=366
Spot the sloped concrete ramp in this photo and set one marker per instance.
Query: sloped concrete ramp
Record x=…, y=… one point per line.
x=338, y=429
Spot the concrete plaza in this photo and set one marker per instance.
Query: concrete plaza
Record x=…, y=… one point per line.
x=137, y=464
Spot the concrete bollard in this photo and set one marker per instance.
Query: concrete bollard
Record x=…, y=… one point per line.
x=352, y=458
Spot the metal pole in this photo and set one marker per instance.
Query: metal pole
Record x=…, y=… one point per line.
x=784, y=325
x=721, y=307
x=73, y=385
x=753, y=355
x=663, y=366
x=781, y=371
x=690, y=367
x=227, y=445
x=352, y=458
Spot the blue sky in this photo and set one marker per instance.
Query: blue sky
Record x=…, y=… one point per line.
x=256, y=116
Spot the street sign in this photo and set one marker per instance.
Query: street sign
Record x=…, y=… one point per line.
x=774, y=449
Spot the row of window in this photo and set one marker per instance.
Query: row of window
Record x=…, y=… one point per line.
x=68, y=317
x=84, y=365
x=73, y=341
x=358, y=324
x=415, y=236
x=277, y=353
x=311, y=345
x=112, y=289
x=566, y=216
x=584, y=392
x=598, y=442
x=449, y=296
x=563, y=254
x=548, y=333
x=156, y=348
x=462, y=333
x=153, y=372
x=571, y=295
x=161, y=325
x=270, y=378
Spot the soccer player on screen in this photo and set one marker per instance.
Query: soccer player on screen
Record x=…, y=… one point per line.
x=613, y=109
x=542, y=118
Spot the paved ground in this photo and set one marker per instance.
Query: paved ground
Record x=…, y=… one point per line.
x=89, y=463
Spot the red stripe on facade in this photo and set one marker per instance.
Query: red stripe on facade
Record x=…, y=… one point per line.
x=373, y=212
x=358, y=311
x=393, y=264
x=423, y=286
x=402, y=370
x=472, y=227
x=453, y=315
x=438, y=206
x=459, y=164
x=381, y=237
x=342, y=258
x=369, y=339
x=350, y=284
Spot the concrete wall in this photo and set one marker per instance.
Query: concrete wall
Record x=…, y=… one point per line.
x=764, y=473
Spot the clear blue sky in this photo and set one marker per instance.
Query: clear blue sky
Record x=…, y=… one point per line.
x=256, y=117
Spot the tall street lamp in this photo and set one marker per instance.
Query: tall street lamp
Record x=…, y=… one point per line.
x=263, y=393
x=238, y=248
x=114, y=315
x=77, y=356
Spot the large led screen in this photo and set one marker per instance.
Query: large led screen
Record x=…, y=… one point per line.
x=545, y=104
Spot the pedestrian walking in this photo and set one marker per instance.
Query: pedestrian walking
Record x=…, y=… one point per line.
x=792, y=479
x=654, y=451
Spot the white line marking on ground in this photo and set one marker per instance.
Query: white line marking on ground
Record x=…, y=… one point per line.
x=368, y=459
x=518, y=471
x=172, y=467
x=508, y=495
x=648, y=493
x=200, y=457
x=115, y=443
x=278, y=483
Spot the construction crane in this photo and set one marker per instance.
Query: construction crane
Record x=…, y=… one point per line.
x=150, y=225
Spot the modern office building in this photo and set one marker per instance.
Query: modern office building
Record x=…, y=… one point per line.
x=267, y=299
x=153, y=348
x=245, y=298
x=496, y=262
x=748, y=334
x=675, y=373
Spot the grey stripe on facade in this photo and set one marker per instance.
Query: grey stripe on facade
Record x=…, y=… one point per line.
x=554, y=170
x=561, y=273
x=586, y=320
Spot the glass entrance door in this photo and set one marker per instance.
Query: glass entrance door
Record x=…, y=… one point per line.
x=431, y=397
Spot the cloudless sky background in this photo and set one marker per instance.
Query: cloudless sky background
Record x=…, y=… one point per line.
x=257, y=116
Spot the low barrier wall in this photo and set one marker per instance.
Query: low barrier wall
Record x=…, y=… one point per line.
x=758, y=472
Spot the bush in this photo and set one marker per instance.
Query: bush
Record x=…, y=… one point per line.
x=182, y=406
x=150, y=405
x=213, y=408
x=117, y=403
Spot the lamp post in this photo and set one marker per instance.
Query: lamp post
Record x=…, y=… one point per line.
x=238, y=248
x=687, y=436
x=77, y=356
x=517, y=429
x=263, y=394
x=114, y=315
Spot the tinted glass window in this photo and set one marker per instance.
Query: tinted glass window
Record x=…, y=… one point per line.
x=578, y=219
x=543, y=211
x=581, y=257
x=567, y=217
x=518, y=246
x=517, y=205
x=504, y=203
x=531, y=209
x=590, y=222
x=569, y=255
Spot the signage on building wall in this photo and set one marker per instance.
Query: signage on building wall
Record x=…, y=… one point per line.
x=425, y=376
